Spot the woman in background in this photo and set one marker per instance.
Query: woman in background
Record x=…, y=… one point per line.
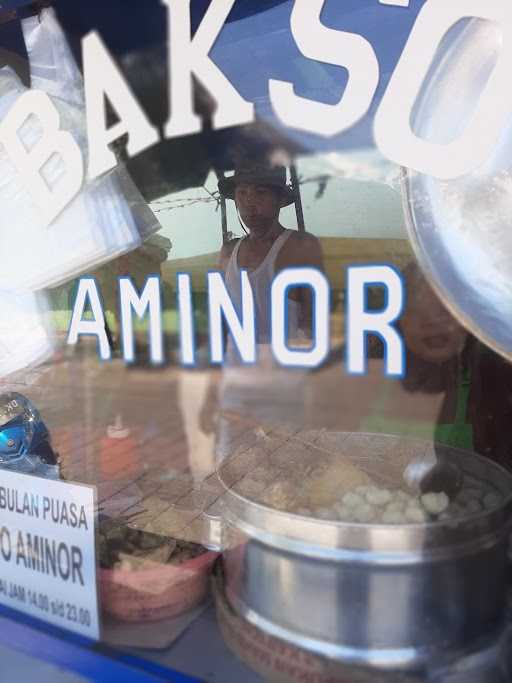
x=431, y=402
x=438, y=373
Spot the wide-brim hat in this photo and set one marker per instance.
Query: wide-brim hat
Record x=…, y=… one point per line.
x=274, y=176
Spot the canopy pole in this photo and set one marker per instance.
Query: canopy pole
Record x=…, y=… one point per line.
x=223, y=211
x=298, y=200
x=224, y=219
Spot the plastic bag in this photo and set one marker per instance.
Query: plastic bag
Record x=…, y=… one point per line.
x=26, y=337
x=107, y=218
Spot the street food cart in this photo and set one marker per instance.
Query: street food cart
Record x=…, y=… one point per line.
x=329, y=529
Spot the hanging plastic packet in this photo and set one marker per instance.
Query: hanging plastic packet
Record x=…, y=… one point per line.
x=26, y=338
x=107, y=218
x=53, y=69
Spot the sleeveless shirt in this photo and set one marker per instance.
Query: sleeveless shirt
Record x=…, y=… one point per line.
x=261, y=282
x=263, y=391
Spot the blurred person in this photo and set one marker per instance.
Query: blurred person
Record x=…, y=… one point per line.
x=263, y=392
x=490, y=404
x=194, y=386
x=431, y=333
x=431, y=401
x=260, y=191
x=437, y=373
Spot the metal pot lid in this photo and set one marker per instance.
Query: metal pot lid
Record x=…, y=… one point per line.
x=460, y=229
x=286, y=489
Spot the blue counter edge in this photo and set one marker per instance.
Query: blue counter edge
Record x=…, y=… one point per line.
x=71, y=652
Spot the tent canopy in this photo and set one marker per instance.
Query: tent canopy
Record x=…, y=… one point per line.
x=256, y=41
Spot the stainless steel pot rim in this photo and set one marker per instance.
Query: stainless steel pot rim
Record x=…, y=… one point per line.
x=392, y=659
x=278, y=526
x=378, y=555
x=467, y=518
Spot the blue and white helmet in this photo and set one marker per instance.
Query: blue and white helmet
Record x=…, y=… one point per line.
x=22, y=431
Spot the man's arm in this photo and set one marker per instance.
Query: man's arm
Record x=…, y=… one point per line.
x=305, y=251
x=225, y=254
x=210, y=407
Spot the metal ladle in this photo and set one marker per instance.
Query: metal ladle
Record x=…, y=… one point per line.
x=433, y=476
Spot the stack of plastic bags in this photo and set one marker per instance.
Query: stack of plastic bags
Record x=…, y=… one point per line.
x=25, y=335
x=107, y=218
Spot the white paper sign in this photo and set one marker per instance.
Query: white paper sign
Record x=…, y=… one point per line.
x=47, y=551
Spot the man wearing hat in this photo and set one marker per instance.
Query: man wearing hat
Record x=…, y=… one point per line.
x=259, y=191
x=264, y=393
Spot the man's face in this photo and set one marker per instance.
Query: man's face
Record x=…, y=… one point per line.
x=259, y=205
x=429, y=329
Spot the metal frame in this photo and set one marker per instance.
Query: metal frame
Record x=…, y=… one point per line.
x=298, y=199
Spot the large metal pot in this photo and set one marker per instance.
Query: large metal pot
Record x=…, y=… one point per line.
x=394, y=597
x=460, y=228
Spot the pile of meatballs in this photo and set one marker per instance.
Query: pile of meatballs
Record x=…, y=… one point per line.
x=376, y=505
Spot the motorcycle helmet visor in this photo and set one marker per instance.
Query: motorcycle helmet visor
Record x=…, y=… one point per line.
x=11, y=408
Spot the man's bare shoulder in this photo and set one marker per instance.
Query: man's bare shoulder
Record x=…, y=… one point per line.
x=227, y=250
x=305, y=248
x=227, y=247
x=304, y=240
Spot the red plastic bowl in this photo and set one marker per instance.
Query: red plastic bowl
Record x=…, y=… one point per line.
x=158, y=592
